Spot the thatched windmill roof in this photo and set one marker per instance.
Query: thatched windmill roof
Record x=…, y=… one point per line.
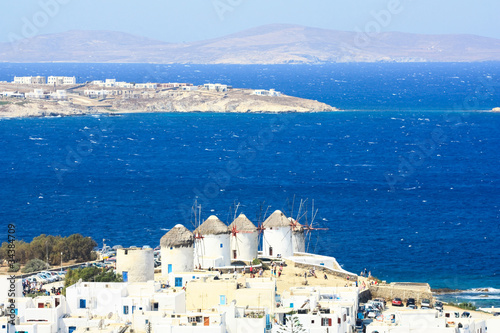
x=178, y=236
x=212, y=226
x=242, y=223
x=276, y=220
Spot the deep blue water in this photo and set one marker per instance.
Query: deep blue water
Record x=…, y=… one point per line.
x=409, y=188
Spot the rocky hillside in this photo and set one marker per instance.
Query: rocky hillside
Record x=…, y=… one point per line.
x=270, y=44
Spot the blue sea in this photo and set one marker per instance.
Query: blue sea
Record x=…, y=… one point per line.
x=406, y=178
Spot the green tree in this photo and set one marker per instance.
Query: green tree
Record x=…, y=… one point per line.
x=34, y=265
x=292, y=325
x=91, y=274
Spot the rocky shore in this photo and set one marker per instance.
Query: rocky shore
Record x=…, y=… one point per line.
x=236, y=100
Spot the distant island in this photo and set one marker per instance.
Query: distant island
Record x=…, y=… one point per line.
x=62, y=96
x=269, y=44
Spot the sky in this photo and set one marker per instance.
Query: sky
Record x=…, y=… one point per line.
x=192, y=20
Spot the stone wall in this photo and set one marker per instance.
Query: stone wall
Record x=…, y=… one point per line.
x=403, y=291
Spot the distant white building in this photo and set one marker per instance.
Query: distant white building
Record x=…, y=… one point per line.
x=215, y=87
x=96, y=93
x=270, y=92
x=124, y=85
x=59, y=95
x=37, y=94
x=189, y=88
x=29, y=80
x=146, y=85
x=61, y=80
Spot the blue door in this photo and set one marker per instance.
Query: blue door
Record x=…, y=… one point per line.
x=83, y=304
x=222, y=299
x=170, y=268
x=178, y=282
x=125, y=276
x=71, y=329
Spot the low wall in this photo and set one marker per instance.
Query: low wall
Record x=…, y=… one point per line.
x=390, y=291
x=364, y=296
x=341, y=274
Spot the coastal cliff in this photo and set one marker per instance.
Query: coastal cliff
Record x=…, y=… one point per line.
x=236, y=100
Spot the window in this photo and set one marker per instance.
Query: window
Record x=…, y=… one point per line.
x=221, y=246
x=83, y=303
x=291, y=305
x=133, y=308
x=126, y=252
x=222, y=300
x=125, y=309
x=178, y=282
x=155, y=306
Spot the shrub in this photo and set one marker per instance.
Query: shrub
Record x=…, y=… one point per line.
x=15, y=267
x=34, y=265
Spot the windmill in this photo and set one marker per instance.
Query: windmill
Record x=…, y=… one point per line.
x=244, y=239
x=309, y=227
x=260, y=225
x=198, y=237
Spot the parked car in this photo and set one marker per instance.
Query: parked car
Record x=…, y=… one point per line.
x=379, y=299
x=47, y=277
x=397, y=302
x=53, y=274
x=410, y=301
x=425, y=304
x=412, y=306
x=372, y=314
x=438, y=306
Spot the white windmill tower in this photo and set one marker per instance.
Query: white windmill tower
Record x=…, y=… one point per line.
x=177, y=250
x=277, y=239
x=244, y=239
x=212, y=243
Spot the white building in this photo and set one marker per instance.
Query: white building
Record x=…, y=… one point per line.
x=212, y=244
x=59, y=95
x=319, y=308
x=270, y=92
x=124, y=85
x=189, y=88
x=135, y=264
x=426, y=321
x=277, y=238
x=177, y=250
x=146, y=85
x=110, y=83
x=29, y=80
x=37, y=94
x=215, y=87
x=96, y=93
x=61, y=80
x=244, y=239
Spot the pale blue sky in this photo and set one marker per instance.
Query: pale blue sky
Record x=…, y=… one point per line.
x=189, y=20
